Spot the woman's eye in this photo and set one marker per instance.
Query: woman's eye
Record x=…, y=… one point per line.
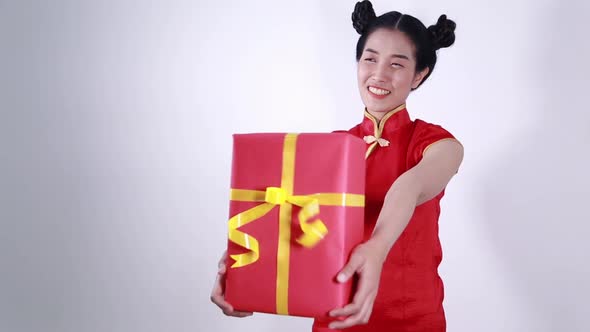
x=369, y=59
x=396, y=65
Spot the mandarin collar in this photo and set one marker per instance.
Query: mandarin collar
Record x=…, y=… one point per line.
x=373, y=129
x=392, y=120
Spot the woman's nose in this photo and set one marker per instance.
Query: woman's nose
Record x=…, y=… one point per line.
x=379, y=74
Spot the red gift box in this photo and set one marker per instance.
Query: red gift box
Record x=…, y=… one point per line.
x=296, y=213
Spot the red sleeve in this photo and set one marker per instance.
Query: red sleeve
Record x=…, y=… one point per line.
x=425, y=134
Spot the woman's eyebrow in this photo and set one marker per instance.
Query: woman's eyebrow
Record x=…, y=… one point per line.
x=401, y=56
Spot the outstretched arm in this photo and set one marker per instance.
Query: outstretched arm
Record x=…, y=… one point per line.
x=420, y=184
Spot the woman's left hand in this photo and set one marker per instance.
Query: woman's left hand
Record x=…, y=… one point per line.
x=366, y=261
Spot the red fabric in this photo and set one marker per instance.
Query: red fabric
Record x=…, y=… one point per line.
x=411, y=292
x=324, y=163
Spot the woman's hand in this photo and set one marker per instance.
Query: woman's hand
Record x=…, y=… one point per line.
x=366, y=261
x=218, y=293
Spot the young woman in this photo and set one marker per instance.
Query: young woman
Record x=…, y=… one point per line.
x=409, y=163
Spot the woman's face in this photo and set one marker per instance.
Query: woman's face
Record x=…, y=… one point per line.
x=386, y=71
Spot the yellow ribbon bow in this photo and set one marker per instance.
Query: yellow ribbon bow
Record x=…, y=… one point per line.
x=313, y=232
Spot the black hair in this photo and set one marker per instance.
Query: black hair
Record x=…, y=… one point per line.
x=426, y=40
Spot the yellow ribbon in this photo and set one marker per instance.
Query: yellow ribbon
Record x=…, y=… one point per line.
x=313, y=231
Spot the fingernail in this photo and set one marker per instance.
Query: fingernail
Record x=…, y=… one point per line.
x=341, y=277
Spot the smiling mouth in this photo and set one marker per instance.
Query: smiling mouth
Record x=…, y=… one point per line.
x=378, y=91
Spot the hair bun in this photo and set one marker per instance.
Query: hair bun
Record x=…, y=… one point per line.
x=442, y=33
x=362, y=16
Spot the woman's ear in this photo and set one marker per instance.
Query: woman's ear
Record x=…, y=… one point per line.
x=418, y=77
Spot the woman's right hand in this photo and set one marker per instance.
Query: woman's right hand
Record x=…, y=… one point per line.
x=218, y=293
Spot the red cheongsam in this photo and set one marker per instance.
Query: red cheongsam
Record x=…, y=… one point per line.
x=410, y=292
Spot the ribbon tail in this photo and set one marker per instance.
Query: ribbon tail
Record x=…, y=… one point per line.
x=244, y=240
x=315, y=231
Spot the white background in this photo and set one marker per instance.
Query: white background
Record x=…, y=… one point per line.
x=115, y=131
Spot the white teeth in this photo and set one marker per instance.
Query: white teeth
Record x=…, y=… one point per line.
x=378, y=91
